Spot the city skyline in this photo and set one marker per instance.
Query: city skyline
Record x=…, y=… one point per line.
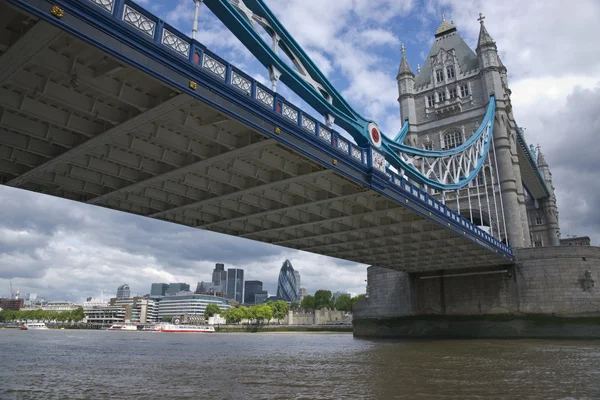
x=61, y=249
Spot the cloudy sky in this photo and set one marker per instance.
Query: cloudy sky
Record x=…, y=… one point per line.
x=65, y=250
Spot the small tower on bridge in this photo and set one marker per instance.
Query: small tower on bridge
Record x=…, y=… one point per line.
x=543, y=213
x=445, y=104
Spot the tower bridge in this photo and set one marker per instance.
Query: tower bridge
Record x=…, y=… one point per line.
x=103, y=103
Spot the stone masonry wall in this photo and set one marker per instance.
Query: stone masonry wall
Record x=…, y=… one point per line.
x=546, y=280
x=553, y=280
x=389, y=295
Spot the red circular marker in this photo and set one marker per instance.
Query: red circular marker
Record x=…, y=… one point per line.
x=375, y=134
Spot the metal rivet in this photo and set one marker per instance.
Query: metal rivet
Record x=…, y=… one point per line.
x=57, y=11
x=193, y=85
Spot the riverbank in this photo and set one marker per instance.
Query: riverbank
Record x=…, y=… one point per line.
x=508, y=326
x=284, y=328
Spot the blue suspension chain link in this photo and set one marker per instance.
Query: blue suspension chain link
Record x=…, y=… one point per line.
x=242, y=17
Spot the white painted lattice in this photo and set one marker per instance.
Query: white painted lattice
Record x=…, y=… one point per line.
x=308, y=123
x=108, y=5
x=214, y=66
x=140, y=21
x=240, y=82
x=176, y=43
x=325, y=134
x=264, y=97
x=290, y=113
x=356, y=153
x=343, y=145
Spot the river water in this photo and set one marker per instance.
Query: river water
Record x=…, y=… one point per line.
x=102, y=364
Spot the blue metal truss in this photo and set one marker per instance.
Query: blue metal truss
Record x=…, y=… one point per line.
x=244, y=18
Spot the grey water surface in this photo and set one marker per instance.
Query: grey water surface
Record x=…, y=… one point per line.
x=143, y=365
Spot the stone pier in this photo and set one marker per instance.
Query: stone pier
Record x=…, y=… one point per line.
x=554, y=285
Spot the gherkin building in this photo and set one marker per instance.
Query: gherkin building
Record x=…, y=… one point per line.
x=286, y=285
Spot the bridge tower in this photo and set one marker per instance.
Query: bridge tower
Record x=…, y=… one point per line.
x=446, y=105
x=543, y=213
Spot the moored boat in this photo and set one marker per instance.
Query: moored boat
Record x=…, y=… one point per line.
x=187, y=328
x=35, y=326
x=118, y=327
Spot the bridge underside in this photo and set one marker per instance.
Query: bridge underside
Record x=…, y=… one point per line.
x=79, y=124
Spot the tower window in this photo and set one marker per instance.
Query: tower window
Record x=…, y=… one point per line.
x=452, y=139
x=442, y=96
x=430, y=100
x=464, y=90
x=439, y=75
x=453, y=93
x=450, y=71
x=428, y=146
x=538, y=242
x=539, y=220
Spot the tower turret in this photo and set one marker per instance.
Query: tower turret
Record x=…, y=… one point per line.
x=406, y=89
x=548, y=205
x=489, y=62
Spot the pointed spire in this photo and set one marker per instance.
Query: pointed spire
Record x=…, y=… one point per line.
x=404, y=66
x=541, y=161
x=484, y=37
x=444, y=27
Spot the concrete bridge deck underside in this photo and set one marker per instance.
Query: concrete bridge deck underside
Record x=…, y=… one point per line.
x=79, y=124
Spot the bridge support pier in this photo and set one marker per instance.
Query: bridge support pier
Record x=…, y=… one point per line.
x=555, y=283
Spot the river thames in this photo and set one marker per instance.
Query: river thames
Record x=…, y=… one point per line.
x=118, y=365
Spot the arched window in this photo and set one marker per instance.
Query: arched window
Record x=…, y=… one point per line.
x=452, y=139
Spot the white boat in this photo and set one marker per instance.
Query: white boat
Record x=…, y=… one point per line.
x=123, y=328
x=36, y=325
x=187, y=328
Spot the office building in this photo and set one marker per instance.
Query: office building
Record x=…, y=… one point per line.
x=123, y=292
x=11, y=304
x=297, y=275
x=219, y=275
x=251, y=288
x=286, y=284
x=235, y=284
x=177, y=287
x=159, y=289
x=181, y=304
x=261, y=297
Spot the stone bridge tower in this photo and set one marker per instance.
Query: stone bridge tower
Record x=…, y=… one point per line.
x=445, y=103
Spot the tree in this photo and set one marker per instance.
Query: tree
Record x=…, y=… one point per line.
x=164, y=319
x=294, y=305
x=211, y=310
x=280, y=309
x=262, y=312
x=344, y=303
x=77, y=314
x=356, y=299
x=323, y=299
x=308, y=303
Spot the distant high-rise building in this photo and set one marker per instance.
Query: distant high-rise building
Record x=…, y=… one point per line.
x=235, y=284
x=251, y=288
x=177, y=287
x=123, y=292
x=340, y=293
x=297, y=276
x=219, y=275
x=286, y=284
x=159, y=289
x=261, y=297
x=301, y=293
x=201, y=288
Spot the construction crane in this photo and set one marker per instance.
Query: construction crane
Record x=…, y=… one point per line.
x=12, y=293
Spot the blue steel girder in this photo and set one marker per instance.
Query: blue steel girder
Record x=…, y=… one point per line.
x=106, y=29
x=448, y=170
